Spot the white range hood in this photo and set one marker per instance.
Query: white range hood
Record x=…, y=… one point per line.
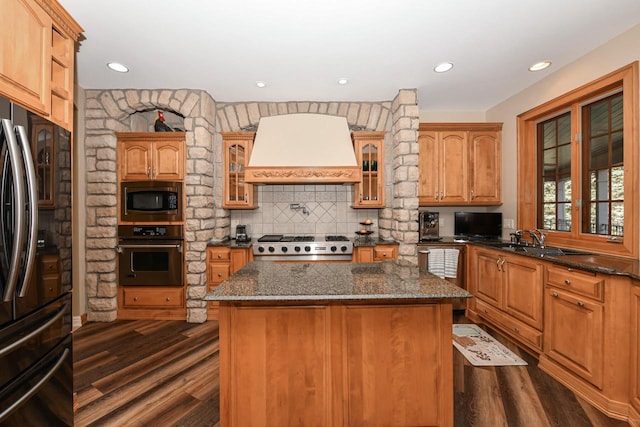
x=302, y=148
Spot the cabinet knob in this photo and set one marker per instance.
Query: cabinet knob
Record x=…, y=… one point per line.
x=473, y=196
x=167, y=299
x=219, y=274
x=516, y=329
x=554, y=294
x=219, y=256
x=149, y=171
x=384, y=254
x=567, y=281
x=580, y=304
x=135, y=298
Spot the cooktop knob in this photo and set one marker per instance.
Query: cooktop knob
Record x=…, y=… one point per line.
x=307, y=248
x=343, y=249
x=333, y=249
x=297, y=248
x=285, y=249
x=272, y=249
x=261, y=249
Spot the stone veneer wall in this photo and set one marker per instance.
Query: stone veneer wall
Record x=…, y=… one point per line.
x=403, y=218
x=110, y=111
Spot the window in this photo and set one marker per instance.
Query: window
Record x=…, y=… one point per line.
x=584, y=176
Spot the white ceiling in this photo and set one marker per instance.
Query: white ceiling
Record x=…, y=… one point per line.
x=300, y=48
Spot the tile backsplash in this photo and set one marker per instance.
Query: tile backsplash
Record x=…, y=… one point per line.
x=321, y=210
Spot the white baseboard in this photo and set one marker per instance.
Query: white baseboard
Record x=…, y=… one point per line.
x=77, y=322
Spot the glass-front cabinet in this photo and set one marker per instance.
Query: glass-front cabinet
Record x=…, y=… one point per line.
x=237, y=193
x=43, y=149
x=369, y=149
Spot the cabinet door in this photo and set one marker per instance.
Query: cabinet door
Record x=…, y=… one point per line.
x=25, y=52
x=168, y=160
x=43, y=149
x=635, y=347
x=488, y=281
x=363, y=254
x=428, y=168
x=369, y=192
x=135, y=160
x=523, y=283
x=485, y=167
x=454, y=173
x=239, y=258
x=574, y=334
x=237, y=149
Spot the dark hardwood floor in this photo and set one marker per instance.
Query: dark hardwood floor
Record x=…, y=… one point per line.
x=165, y=373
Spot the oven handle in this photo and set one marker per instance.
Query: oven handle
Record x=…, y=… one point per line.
x=120, y=248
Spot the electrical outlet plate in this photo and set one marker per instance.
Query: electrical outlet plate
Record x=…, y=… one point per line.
x=508, y=224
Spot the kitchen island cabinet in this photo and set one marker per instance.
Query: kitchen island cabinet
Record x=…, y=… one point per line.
x=335, y=344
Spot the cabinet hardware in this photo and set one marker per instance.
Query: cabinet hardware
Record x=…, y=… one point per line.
x=516, y=329
x=473, y=196
x=554, y=294
x=580, y=304
x=219, y=274
x=135, y=298
x=567, y=281
x=149, y=171
x=167, y=299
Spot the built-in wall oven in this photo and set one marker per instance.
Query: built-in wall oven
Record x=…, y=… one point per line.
x=150, y=255
x=151, y=201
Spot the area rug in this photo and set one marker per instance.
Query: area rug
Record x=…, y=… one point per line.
x=481, y=349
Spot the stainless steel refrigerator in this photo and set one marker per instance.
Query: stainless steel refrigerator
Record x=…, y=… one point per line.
x=36, y=376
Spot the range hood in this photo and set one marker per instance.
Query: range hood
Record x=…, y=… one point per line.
x=302, y=148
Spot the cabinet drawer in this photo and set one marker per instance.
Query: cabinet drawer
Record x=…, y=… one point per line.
x=153, y=297
x=49, y=264
x=218, y=273
x=579, y=282
x=381, y=253
x=219, y=254
x=529, y=336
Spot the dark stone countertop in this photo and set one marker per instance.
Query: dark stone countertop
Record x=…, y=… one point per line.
x=387, y=280
x=230, y=243
x=372, y=241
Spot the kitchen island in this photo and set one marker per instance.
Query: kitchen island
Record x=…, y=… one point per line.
x=330, y=344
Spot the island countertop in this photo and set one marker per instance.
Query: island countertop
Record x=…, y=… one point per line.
x=393, y=279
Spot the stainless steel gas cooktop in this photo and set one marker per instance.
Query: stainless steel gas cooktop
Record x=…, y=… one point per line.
x=280, y=247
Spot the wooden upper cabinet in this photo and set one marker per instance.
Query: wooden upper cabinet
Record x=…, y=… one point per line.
x=238, y=194
x=25, y=37
x=369, y=150
x=37, y=55
x=151, y=156
x=459, y=164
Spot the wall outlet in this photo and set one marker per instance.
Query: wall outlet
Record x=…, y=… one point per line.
x=508, y=224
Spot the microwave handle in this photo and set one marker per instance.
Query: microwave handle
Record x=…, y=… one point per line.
x=126, y=212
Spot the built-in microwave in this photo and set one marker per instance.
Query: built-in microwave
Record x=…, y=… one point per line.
x=151, y=201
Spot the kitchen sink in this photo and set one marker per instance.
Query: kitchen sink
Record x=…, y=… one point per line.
x=548, y=251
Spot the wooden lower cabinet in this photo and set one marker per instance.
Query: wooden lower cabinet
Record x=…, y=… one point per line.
x=586, y=336
x=331, y=364
x=634, y=400
x=152, y=302
x=508, y=294
x=379, y=252
x=223, y=261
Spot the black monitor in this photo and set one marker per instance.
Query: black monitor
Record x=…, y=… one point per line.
x=478, y=225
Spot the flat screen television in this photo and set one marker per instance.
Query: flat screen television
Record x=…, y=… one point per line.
x=478, y=225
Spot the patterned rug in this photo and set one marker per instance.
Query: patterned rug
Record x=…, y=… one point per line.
x=481, y=349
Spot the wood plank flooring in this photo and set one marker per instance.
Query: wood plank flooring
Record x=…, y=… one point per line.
x=165, y=373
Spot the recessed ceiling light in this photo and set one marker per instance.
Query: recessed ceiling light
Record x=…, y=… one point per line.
x=443, y=67
x=116, y=66
x=343, y=81
x=261, y=84
x=538, y=66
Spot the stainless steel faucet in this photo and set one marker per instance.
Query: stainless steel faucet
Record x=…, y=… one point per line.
x=537, y=236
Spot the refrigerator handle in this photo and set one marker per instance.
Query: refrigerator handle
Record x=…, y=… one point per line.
x=15, y=158
x=32, y=221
